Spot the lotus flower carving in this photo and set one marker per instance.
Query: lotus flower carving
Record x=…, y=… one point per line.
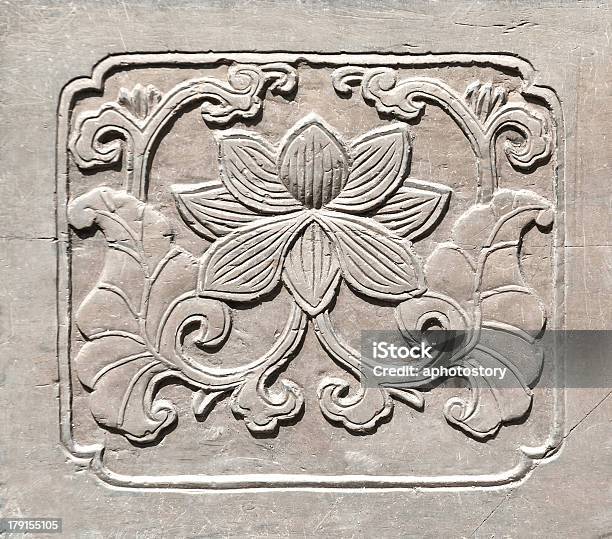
x=311, y=211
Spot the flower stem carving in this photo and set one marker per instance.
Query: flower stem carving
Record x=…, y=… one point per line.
x=132, y=126
x=307, y=211
x=362, y=408
x=483, y=115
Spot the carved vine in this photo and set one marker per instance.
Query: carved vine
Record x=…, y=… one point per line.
x=483, y=114
x=308, y=211
x=132, y=126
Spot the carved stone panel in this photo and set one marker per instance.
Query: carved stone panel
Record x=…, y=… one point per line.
x=233, y=222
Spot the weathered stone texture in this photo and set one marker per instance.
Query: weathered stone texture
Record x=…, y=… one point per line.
x=192, y=241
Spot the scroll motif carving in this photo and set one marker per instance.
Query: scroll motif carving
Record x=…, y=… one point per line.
x=484, y=114
x=308, y=210
x=131, y=126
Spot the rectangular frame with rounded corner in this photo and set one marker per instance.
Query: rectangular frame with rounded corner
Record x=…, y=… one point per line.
x=529, y=456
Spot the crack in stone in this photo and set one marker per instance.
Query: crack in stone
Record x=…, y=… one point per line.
x=502, y=501
x=565, y=437
x=29, y=238
x=507, y=497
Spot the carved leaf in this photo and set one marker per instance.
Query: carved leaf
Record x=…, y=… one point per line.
x=175, y=277
x=486, y=267
x=458, y=283
x=414, y=209
x=249, y=172
x=313, y=163
x=118, y=363
x=380, y=160
x=247, y=262
x=210, y=210
x=503, y=219
x=128, y=224
x=493, y=401
x=374, y=261
x=488, y=406
x=311, y=270
x=122, y=375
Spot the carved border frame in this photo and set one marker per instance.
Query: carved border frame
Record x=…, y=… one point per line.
x=529, y=457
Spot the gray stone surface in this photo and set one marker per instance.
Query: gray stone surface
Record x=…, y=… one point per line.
x=453, y=481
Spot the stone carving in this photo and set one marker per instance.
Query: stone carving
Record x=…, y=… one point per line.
x=477, y=298
x=299, y=213
x=485, y=240
x=310, y=210
x=135, y=122
x=483, y=115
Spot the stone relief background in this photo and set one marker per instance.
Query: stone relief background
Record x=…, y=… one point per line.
x=283, y=254
x=570, y=491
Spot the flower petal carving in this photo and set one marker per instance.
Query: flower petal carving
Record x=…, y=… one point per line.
x=249, y=172
x=313, y=164
x=374, y=260
x=210, y=210
x=414, y=209
x=312, y=271
x=380, y=161
x=247, y=263
x=141, y=101
x=485, y=98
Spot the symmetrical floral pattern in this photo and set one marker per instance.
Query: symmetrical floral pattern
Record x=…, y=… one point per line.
x=308, y=211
